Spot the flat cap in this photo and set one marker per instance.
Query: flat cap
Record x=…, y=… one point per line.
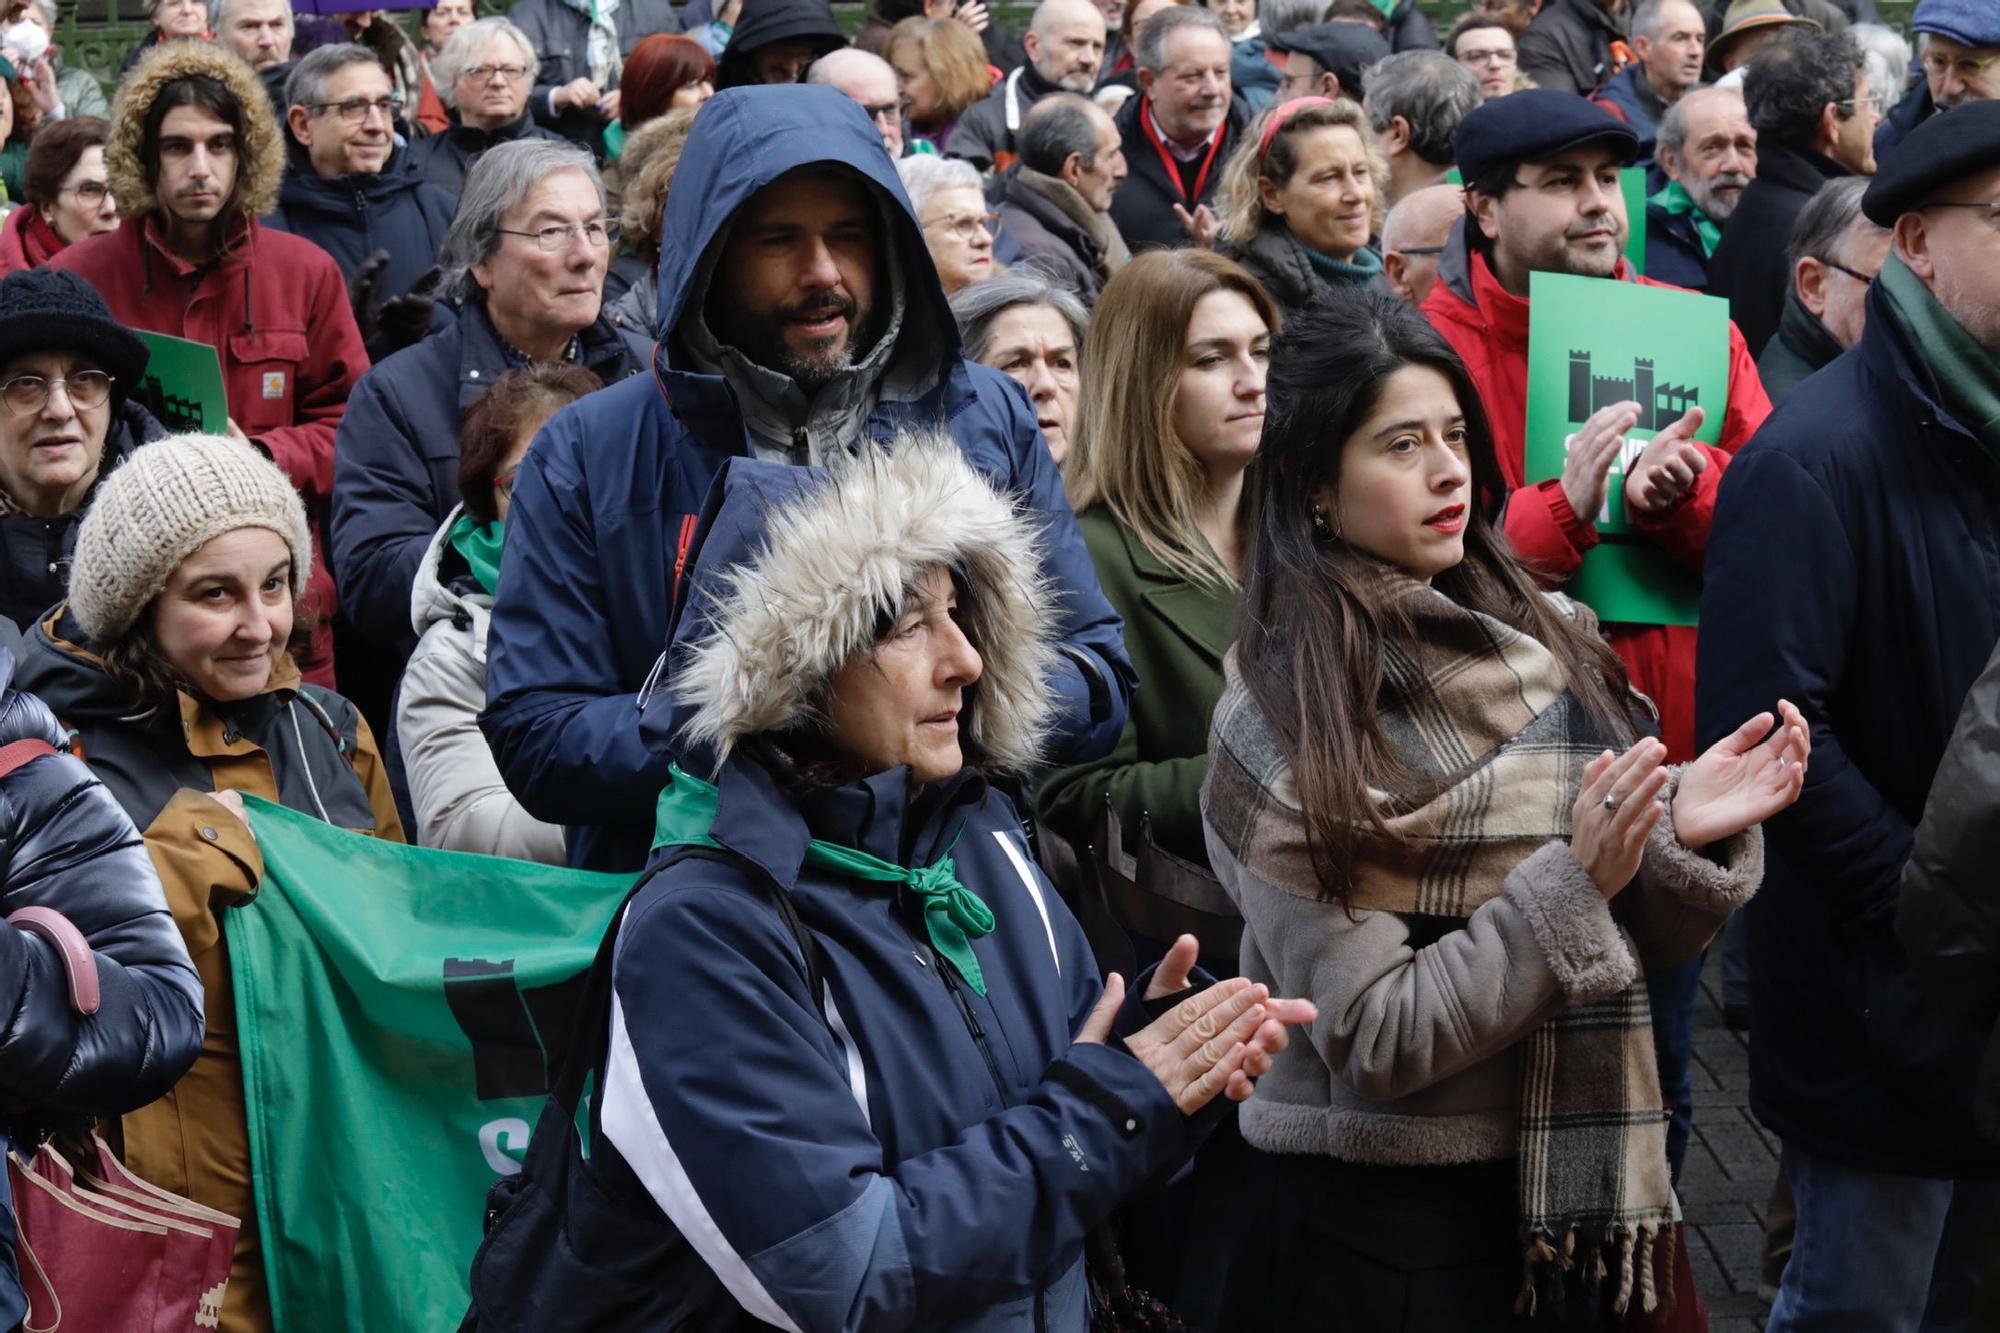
x=1344, y=50
x=1938, y=154
x=1967, y=22
x=1535, y=125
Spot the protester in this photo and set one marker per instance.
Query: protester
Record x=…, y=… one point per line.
x=1573, y=46
x=775, y=41
x=1179, y=133
x=1065, y=46
x=1300, y=199
x=941, y=74
x=1056, y=202
x=871, y=82
x=663, y=73
x=444, y=18
x=456, y=791
x=1708, y=153
x=1003, y=50
x=483, y=75
x=67, y=196
x=957, y=226
x=1252, y=75
x=1484, y=45
x=1328, y=60
x=194, y=161
x=1120, y=70
x=1031, y=329
x=1475, y=1121
x=832, y=334
x=1846, y=563
x=173, y=20
x=18, y=123
x=78, y=93
x=1835, y=252
x=1748, y=26
x=1815, y=118
x=525, y=260
x=1960, y=61
x=657, y=152
x=1668, y=38
x=1414, y=234
x=258, y=30
x=581, y=50
x=170, y=666
x=1890, y=59
x=1415, y=101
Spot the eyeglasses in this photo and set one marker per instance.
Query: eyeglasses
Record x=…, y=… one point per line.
x=1418, y=250
x=29, y=394
x=967, y=227
x=1991, y=207
x=1856, y=103
x=558, y=234
x=883, y=111
x=1499, y=55
x=355, y=110
x=1968, y=68
x=1863, y=278
x=90, y=193
x=485, y=73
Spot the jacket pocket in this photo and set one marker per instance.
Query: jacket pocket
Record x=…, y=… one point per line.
x=264, y=382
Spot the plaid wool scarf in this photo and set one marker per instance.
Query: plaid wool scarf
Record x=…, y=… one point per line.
x=1493, y=744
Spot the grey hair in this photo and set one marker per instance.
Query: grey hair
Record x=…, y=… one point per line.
x=1278, y=17
x=1673, y=132
x=978, y=308
x=456, y=53
x=925, y=174
x=1649, y=17
x=1821, y=229
x=1149, y=44
x=499, y=183
x=1888, y=55
x=1056, y=126
x=218, y=14
x=307, y=85
x=1429, y=90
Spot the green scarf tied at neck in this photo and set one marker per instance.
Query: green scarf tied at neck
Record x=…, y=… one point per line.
x=1679, y=203
x=1359, y=271
x=1968, y=377
x=954, y=916
x=480, y=545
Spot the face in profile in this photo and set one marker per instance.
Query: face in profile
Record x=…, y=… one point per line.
x=903, y=702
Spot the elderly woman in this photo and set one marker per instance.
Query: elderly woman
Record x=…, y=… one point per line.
x=482, y=75
x=946, y=1107
x=1030, y=328
x=173, y=20
x=67, y=194
x=171, y=664
x=67, y=370
x=1300, y=199
x=77, y=91
x=951, y=209
x=940, y=71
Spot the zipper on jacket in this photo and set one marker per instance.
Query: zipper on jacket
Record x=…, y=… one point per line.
x=949, y=976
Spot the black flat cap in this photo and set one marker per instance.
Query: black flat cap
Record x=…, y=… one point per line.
x=1533, y=126
x=45, y=309
x=1345, y=50
x=1939, y=153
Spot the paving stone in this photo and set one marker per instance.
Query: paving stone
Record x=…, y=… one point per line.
x=1732, y=1160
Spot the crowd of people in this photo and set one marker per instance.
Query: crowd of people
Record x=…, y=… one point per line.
x=1161, y=791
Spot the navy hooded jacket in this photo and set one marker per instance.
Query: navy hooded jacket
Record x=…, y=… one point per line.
x=606, y=502
x=351, y=217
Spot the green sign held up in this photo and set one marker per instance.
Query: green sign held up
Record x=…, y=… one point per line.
x=1593, y=342
x=182, y=386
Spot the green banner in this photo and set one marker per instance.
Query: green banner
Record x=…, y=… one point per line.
x=1593, y=342
x=1631, y=184
x=396, y=1008
x=182, y=386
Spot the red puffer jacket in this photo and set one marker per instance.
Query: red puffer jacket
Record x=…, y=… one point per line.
x=275, y=309
x=1488, y=327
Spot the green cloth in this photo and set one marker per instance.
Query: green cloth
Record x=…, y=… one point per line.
x=1364, y=268
x=954, y=916
x=399, y=1010
x=1967, y=376
x=480, y=545
x=614, y=139
x=1679, y=203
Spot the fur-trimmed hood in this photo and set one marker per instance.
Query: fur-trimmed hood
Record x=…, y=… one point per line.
x=261, y=159
x=793, y=569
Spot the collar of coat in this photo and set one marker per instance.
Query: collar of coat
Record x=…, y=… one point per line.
x=1204, y=616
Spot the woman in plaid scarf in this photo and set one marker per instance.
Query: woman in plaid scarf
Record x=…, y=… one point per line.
x=1432, y=794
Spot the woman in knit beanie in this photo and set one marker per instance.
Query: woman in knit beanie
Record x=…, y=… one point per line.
x=170, y=665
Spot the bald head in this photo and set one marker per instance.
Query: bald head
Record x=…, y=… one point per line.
x=869, y=80
x=1065, y=43
x=1415, y=230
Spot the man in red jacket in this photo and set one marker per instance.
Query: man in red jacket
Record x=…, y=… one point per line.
x=194, y=160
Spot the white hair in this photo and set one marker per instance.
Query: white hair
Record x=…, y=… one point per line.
x=924, y=174
x=1887, y=56
x=456, y=54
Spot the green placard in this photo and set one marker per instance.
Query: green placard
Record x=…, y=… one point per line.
x=1593, y=342
x=182, y=385
x=1632, y=184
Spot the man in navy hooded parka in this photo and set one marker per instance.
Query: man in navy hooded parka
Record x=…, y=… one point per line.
x=804, y=319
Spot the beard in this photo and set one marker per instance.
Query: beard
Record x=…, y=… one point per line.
x=1559, y=255
x=1717, y=206
x=818, y=360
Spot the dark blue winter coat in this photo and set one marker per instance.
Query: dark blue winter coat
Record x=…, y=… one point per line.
x=607, y=499
x=351, y=217
x=1673, y=250
x=1854, y=568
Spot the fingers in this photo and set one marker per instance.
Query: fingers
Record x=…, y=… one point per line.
x=1097, y=1028
x=1173, y=972
x=1213, y=1017
x=1636, y=805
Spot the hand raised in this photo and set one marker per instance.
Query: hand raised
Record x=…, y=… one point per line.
x=1609, y=840
x=1586, y=470
x=1201, y=225
x=1214, y=1042
x=1668, y=467
x=1744, y=778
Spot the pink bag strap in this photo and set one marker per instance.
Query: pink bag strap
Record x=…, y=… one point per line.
x=20, y=752
x=79, y=963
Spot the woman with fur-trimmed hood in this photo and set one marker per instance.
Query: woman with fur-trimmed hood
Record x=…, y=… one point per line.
x=924, y=1138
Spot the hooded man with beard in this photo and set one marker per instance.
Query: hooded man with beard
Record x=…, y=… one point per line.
x=1708, y=153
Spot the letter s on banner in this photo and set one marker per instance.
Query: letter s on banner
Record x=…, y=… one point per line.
x=498, y=1139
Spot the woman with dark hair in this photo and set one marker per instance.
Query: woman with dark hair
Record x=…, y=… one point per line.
x=66, y=195
x=1431, y=794
x=940, y=71
x=456, y=792
x=665, y=72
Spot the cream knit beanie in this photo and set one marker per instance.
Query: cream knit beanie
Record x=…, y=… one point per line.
x=159, y=507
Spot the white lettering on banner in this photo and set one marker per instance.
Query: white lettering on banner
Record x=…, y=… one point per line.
x=498, y=1137
x=1628, y=454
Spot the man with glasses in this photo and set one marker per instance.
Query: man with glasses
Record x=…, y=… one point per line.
x=869, y=80
x=1835, y=253
x=482, y=74
x=1852, y=570
x=1960, y=46
x=195, y=161
x=1413, y=239
x=1484, y=44
x=1815, y=116
x=525, y=257
x=1326, y=59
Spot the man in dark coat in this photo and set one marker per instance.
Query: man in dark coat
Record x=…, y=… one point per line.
x=1667, y=43
x=1573, y=46
x=576, y=90
x=1960, y=53
x=1854, y=569
x=776, y=41
x=802, y=318
x=1808, y=98
x=1328, y=59
x=1835, y=253
x=484, y=111
x=1056, y=201
x=1708, y=153
x=1065, y=45
x=1409, y=28
x=1179, y=131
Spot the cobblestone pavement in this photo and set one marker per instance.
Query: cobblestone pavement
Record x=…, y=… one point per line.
x=1731, y=1163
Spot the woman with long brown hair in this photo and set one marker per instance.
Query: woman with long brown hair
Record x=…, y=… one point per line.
x=1435, y=798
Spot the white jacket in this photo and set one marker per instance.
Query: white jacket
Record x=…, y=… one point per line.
x=456, y=792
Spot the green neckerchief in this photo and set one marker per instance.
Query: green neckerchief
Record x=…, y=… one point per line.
x=1968, y=378
x=481, y=548
x=953, y=914
x=614, y=139
x=1356, y=272
x=1678, y=203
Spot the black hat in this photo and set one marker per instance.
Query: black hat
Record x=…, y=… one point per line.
x=1535, y=125
x=1939, y=153
x=1345, y=50
x=43, y=309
